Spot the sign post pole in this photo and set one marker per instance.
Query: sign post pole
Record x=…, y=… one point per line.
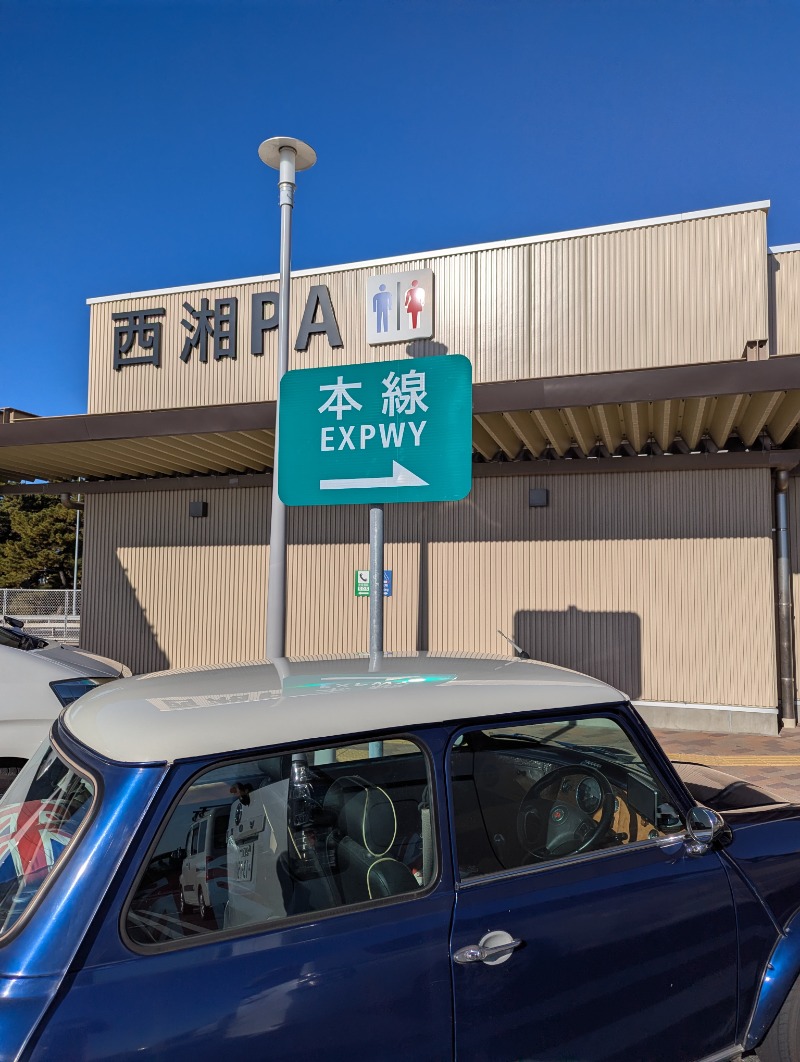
x=287, y=155
x=375, y=601
x=375, y=587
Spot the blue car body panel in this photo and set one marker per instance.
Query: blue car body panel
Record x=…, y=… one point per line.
x=39, y=955
x=599, y=978
x=766, y=852
x=284, y=990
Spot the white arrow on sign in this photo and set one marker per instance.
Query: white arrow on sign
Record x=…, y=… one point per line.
x=400, y=477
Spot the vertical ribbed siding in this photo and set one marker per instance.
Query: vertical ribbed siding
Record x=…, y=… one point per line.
x=678, y=293
x=503, y=308
x=327, y=545
x=165, y=590
x=682, y=293
x=628, y=577
x=251, y=378
x=793, y=510
x=661, y=583
x=785, y=303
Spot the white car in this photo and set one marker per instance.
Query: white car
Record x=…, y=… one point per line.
x=35, y=684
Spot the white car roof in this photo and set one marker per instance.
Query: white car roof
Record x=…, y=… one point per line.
x=81, y=661
x=29, y=665
x=174, y=715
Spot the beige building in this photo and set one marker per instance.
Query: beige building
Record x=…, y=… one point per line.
x=642, y=379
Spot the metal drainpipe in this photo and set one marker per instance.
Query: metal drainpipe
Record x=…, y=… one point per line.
x=788, y=690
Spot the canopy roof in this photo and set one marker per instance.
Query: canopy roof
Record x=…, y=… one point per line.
x=698, y=408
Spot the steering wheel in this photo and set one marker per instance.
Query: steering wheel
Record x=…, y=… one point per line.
x=553, y=828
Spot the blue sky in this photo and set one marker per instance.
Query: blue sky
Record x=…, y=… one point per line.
x=130, y=131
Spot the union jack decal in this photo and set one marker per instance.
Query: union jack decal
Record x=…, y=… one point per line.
x=32, y=837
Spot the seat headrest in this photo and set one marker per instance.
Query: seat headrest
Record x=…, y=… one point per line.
x=389, y=877
x=365, y=813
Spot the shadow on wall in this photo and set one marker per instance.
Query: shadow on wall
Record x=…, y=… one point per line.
x=605, y=645
x=583, y=507
x=423, y=589
x=773, y=265
x=129, y=637
x=426, y=348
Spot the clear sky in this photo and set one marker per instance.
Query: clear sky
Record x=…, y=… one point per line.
x=130, y=131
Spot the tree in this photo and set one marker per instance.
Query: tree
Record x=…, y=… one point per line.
x=37, y=541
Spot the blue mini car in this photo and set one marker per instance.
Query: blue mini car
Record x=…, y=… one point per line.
x=440, y=858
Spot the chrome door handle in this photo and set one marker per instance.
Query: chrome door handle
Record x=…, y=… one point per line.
x=493, y=949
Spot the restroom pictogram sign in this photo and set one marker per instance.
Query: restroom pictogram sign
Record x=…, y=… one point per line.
x=399, y=306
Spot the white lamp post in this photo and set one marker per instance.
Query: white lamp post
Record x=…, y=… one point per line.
x=287, y=155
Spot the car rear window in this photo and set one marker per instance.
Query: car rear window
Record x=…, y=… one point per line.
x=39, y=816
x=16, y=639
x=69, y=690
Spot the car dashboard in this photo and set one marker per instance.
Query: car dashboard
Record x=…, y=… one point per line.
x=490, y=786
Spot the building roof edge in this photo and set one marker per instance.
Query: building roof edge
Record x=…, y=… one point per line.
x=568, y=234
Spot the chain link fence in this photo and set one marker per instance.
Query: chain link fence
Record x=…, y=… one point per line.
x=48, y=613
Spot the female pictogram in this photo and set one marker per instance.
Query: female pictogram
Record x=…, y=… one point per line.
x=415, y=302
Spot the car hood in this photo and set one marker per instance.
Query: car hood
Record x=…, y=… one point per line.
x=82, y=662
x=722, y=791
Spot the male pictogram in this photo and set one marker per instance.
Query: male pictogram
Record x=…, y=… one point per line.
x=381, y=305
x=414, y=302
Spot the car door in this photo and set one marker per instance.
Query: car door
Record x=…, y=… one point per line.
x=602, y=938
x=333, y=942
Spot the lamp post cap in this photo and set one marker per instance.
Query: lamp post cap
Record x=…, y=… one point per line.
x=270, y=152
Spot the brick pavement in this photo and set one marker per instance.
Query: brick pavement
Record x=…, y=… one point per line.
x=771, y=762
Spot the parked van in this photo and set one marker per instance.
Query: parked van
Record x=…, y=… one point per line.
x=204, y=871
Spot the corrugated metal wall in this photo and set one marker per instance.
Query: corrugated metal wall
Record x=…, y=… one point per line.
x=793, y=508
x=163, y=589
x=661, y=583
x=666, y=294
x=784, y=275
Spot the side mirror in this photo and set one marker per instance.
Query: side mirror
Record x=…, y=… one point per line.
x=705, y=828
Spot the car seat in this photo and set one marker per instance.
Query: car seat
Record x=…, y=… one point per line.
x=366, y=826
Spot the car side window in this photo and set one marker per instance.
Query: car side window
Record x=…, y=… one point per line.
x=285, y=836
x=527, y=794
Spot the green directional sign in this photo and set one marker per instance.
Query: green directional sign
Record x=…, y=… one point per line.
x=389, y=431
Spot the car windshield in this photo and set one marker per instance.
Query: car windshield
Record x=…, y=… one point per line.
x=599, y=736
x=39, y=816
